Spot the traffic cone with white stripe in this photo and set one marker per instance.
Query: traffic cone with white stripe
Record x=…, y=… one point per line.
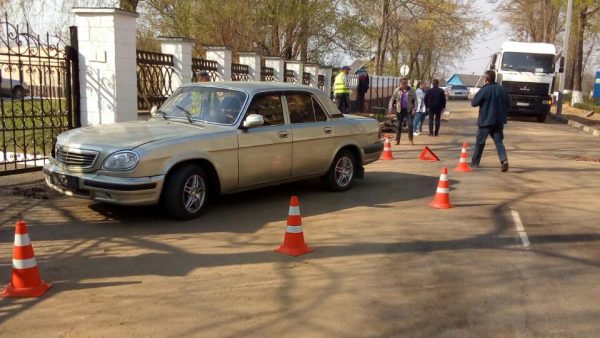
x=387, y=149
x=463, y=163
x=26, y=281
x=293, y=242
x=442, y=194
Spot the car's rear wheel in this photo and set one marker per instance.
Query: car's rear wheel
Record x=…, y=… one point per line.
x=17, y=92
x=186, y=192
x=342, y=171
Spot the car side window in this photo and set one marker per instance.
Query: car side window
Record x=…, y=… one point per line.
x=270, y=107
x=320, y=115
x=300, y=108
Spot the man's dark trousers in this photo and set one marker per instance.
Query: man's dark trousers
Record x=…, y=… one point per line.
x=400, y=117
x=497, y=133
x=437, y=114
x=343, y=102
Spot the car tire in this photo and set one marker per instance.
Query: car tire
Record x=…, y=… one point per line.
x=342, y=172
x=186, y=192
x=17, y=92
x=541, y=118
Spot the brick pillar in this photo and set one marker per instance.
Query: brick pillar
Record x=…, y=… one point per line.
x=222, y=55
x=252, y=60
x=298, y=69
x=181, y=49
x=278, y=65
x=326, y=71
x=313, y=69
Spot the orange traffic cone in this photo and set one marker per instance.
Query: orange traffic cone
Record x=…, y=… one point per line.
x=387, y=149
x=428, y=155
x=293, y=242
x=463, y=163
x=442, y=195
x=26, y=281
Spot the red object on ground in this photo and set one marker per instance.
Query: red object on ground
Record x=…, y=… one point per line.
x=26, y=280
x=442, y=195
x=463, y=162
x=293, y=242
x=428, y=155
x=387, y=149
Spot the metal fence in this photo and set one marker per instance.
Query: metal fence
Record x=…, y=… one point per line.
x=154, y=73
x=267, y=74
x=306, y=78
x=209, y=66
x=289, y=76
x=29, y=124
x=321, y=82
x=240, y=72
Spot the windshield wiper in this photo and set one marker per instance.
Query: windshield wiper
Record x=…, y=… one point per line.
x=164, y=115
x=187, y=113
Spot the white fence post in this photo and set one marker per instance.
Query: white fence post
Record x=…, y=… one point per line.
x=252, y=60
x=181, y=49
x=313, y=69
x=278, y=65
x=297, y=67
x=107, y=65
x=222, y=55
x=326, y=71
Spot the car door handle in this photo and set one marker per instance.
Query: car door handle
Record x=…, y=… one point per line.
x=283, y=134
x=327, y=130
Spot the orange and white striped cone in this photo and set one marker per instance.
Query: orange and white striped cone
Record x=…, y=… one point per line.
x=26, y=280
x=442, y=194
x=463, y=163
x=387, y=149
x=293, y=242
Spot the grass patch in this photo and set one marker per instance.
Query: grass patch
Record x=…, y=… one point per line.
x=29, y=125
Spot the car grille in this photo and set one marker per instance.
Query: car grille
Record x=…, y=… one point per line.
x=526, y=88
x=76, y=157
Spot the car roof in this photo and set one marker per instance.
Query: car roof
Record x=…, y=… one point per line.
x=252, y=87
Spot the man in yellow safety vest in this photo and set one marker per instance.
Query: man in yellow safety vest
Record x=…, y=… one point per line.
x=341, y=90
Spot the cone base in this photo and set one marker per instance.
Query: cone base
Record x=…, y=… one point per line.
x=37, y=291
x=386, y=157
x=465, y=169
x=440, y=205
x=294, y=251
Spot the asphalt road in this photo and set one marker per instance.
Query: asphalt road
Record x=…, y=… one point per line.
x=385, y=264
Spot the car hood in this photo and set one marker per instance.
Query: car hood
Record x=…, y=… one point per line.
x=129, y=135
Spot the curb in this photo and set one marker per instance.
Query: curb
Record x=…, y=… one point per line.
x=587, y=129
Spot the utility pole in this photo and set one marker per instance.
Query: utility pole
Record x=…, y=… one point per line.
x=565, y=52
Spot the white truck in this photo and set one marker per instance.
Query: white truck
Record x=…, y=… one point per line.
x=527, y=73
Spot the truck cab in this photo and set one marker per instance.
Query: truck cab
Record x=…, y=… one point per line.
x=527, y=73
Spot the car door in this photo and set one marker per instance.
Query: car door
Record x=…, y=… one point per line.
x=313, y=135
x=265, y=153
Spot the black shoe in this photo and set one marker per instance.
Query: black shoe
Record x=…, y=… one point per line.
x=436, y=135
x=504, y=166
x=397, y=142
x=473, y=165
x=430, y=135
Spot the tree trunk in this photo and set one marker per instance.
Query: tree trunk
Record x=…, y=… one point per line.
x=578, y=69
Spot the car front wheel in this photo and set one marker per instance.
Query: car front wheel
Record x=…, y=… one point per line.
x=342, y=171
x=186, y=192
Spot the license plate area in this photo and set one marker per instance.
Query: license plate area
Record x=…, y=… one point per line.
x=65, y=181
x=522, y=104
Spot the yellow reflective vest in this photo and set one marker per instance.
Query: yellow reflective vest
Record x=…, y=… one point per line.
x=339, y=85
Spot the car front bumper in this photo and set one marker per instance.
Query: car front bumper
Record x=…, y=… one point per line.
x=372, y=152
x=104, y=188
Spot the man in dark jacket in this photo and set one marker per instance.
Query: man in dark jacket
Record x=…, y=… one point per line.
x=493, y=103
x=435, y=102
x=363, y=87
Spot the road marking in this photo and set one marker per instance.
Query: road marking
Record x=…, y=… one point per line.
x=520, y=228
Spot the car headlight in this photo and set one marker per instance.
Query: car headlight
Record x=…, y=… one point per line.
x=121, y=161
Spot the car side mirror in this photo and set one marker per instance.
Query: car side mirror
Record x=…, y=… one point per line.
x=153, y=110
x=253, y=121
x=561, y=65
x=493, y=63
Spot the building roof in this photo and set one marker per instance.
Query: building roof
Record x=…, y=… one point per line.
x=465, y=80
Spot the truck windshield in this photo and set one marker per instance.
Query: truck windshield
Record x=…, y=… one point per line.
x=528, y=62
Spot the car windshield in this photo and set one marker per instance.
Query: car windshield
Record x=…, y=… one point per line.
x=206, y=104
x=528, y=62
x=459, y=88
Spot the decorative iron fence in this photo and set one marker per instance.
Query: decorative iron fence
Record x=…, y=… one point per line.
x=154, y=73
x=289, y=76
x=30, y=118
x=321, y=82
x=240, y=72
x=306, y=78
x=209, y=66
x=267, y=74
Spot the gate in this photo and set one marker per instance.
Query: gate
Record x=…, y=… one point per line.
x=39, y=95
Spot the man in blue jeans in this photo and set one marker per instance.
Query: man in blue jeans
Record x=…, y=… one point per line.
x=493, y=103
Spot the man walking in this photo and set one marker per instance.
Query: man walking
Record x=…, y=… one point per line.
x=341, y=90
x=420, y=110
x=435, y=101
x=403, y=104
x=493, y=103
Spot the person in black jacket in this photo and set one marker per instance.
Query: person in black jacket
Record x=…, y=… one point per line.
x=493, y=103
x=363, y=87
x=435, y=102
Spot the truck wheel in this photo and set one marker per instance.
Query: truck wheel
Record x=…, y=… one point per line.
x=542, y=118
x=342, y=171
x=186, y=192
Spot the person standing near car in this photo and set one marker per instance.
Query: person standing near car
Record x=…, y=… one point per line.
x=435, y=103
x=493, y=103
x=420, y=110
x=341, y=90
x=403, y=104
x=363, y=87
